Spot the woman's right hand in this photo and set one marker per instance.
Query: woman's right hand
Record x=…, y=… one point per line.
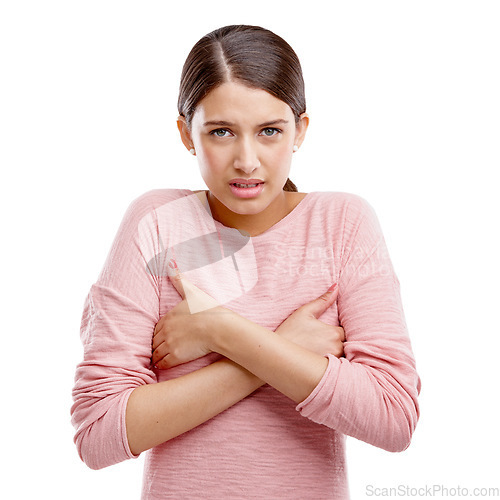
x=305, y=329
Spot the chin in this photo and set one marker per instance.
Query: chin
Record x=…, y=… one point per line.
x=247, y=206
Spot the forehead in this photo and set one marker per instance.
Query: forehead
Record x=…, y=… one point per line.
x=237, y=103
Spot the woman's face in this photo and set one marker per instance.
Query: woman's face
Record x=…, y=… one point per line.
x=244, y=137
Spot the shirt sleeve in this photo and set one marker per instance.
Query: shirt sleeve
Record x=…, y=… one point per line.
x=119, y=316
x=371, y=393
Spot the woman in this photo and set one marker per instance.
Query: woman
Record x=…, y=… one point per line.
x=239, y=333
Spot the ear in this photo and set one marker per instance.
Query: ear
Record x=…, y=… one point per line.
x=185, y=132
x=301, y=129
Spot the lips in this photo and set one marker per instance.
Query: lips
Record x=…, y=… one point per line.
x=246, y=188
x=245, y=183
x=237, y=184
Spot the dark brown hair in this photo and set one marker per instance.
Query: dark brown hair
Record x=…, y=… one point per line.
x=250, y=55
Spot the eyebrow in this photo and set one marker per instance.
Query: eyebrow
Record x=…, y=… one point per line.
x=222, y=123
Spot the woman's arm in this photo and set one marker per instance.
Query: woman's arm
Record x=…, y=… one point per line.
x=159, y=412
x=290, y=368
x=119, y=318
x=372, y=393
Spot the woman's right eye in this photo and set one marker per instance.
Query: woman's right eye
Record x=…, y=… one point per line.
x=220, y=132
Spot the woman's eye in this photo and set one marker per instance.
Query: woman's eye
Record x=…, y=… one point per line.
x=220, y=132
x=269, y=132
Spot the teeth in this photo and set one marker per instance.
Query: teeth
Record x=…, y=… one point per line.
x=245, y=185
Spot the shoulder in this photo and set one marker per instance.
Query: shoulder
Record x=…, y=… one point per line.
x=155, y=198
x=348, y=205
x=149, y=202
x=142, y=210
x=350, y=214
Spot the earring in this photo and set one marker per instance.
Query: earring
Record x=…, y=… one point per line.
x=295, y=148
x=192, y=151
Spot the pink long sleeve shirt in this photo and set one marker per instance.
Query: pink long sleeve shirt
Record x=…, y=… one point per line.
x=265, y=446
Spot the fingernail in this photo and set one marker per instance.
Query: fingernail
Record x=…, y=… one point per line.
x=332, y=288
x=172, y=264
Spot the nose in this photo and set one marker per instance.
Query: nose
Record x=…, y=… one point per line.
x=246, y=156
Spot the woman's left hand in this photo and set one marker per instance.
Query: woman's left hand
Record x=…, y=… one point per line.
x=183, y=334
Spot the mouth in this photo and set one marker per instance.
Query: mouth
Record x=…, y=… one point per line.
x=245, y=183
x=246, y=188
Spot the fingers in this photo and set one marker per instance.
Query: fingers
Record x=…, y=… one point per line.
x=337, y=348
x=157, y=339
x=331, y=294
x=318, y=306
x=160, y=352
x=159, y=329
x=197, y=299
x=341, y=333
x=176, y=278
x=163, y=364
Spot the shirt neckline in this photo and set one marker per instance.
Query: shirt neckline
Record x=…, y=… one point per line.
x=290, y=217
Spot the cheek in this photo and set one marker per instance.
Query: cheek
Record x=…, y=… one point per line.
x=280, y=157
x=211, y=161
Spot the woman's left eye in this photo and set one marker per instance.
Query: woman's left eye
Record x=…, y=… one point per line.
x=269, y=132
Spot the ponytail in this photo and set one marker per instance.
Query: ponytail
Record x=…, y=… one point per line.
x=290, y=186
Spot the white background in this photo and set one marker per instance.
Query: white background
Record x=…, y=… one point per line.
x=404, y=105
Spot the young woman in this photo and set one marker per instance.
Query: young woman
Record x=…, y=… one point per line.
x=240, y=333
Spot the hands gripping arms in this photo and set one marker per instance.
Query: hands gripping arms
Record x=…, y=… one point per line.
x=285, y=361
x=371, y=394
x=114, y=385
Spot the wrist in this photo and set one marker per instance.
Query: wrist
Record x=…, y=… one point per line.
x=285, y=330
x=221, y=323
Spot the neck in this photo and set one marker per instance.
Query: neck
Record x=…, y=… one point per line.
x=253, y=224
